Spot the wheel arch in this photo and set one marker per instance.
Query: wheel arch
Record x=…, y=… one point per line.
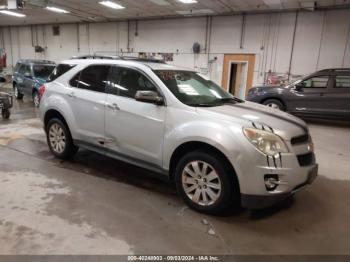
x=194, y=146
x=53, y=113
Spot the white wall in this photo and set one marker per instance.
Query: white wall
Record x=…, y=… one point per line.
x=321, y=41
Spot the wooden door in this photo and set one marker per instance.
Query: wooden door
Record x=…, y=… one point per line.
x=249, y=59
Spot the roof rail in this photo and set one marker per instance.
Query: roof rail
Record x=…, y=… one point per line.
x=125, y=58
x=334, y=69
x=36, y=61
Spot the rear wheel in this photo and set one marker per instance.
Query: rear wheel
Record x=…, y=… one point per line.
x=59, y=139
x=36, y=99
x=5, y=114
x=274, y=103
x=18, y=95
x=206, y=183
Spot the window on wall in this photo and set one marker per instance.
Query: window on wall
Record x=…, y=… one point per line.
x=316, y=82
x=342, y=81
x=94, y=78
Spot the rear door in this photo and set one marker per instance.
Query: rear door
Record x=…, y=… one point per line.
x=87, y=98
x=309, y=98
x=338, y=96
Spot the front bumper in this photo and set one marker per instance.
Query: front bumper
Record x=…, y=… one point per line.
x=262, y=201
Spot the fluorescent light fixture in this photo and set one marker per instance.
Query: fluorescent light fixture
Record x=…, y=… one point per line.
x=57, y=10
x=111, y=4
x=7, y=12
x=188, y=1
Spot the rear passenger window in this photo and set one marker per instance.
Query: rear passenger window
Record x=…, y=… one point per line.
x=93, y=78
x=342, y=81
x=129, y=81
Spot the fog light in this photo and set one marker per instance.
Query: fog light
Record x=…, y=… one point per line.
x=271, y=182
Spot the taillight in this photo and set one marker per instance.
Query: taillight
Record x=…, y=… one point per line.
x=41, y=91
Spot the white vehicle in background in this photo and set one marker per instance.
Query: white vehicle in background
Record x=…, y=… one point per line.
x=220, y=150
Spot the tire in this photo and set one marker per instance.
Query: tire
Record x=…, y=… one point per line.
x=18, y=95
x=5, y=114
x=226, y=198
x=36, y=99
x=60, y=140
x=274, y=103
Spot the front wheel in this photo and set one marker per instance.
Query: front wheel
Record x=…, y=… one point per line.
x=59, y=139
x=274, y=103
x=206, y=183
x=18, y=95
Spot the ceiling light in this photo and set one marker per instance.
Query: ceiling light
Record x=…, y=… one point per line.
x=188, y=1
x=7, y=12
x=111, y=4
x=57, y=10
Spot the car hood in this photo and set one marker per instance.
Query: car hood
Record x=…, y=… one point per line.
x=254, y=115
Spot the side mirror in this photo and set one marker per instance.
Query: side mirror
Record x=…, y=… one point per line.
x=149, y=97
x=299, y=86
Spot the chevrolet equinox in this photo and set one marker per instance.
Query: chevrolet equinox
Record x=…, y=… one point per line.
x=220, y=151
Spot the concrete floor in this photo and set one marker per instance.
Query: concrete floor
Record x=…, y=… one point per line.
x=96, y=205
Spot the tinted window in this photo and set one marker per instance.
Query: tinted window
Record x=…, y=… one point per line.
x=94, y=78
x=316, y=82
x=75, y=80
x=342, y=81
x=18, y=65
x=126, y=82
x=22, y=69
x=43, y=71
x=59, y=71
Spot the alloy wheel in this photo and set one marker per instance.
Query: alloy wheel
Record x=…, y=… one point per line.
x=201, y=183
x=57, y=138
x=273, y=105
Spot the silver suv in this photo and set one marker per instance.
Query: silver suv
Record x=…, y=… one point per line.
x=221, y=151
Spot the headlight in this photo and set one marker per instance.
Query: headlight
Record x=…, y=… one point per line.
x=266, y=142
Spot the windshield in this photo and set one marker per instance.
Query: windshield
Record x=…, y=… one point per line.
x=43, y=71
x=193, y=90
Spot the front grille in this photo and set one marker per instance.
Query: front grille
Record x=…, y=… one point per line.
x=300, y=139
x=306, y=159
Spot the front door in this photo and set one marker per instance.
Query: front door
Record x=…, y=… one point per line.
x=87, y=98
x=134, y=129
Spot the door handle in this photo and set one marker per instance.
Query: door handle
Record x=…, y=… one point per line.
x=321, y=94
x=113, y=106
x=71, y=94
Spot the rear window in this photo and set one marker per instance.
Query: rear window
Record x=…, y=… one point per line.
x=18, y=65
x=59, y=71
x=43, y=71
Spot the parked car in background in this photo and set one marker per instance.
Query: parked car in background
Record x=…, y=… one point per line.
x=324, y=94
x=220, y=151
x=29, y=75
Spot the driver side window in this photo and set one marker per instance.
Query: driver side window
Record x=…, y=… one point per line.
x=126, y=82
x=316, y=82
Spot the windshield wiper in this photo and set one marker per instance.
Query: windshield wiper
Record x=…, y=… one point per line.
x=230, y=100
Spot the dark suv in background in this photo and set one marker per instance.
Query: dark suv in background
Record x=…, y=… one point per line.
x=29, y=75
x=324, y=94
